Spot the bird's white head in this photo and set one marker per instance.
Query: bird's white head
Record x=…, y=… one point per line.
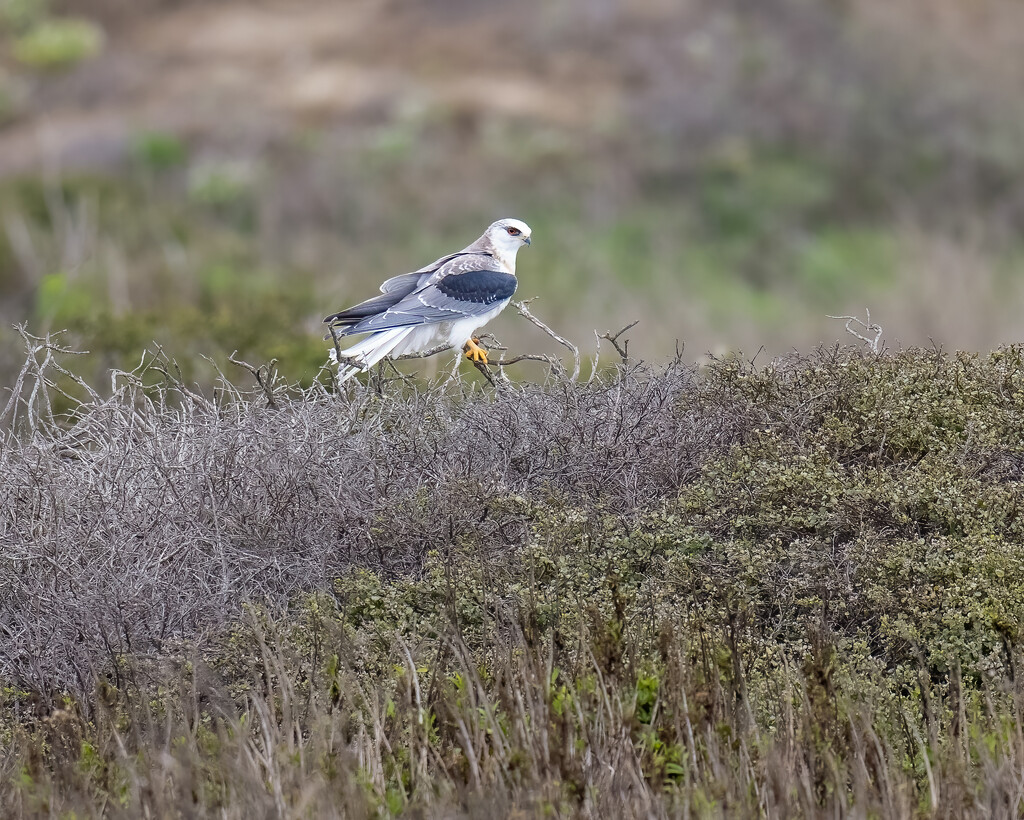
x=504, y=239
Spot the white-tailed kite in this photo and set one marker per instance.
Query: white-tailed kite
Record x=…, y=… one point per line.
x=443, y=303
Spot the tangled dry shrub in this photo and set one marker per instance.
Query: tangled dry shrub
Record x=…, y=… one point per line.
x=159, y=511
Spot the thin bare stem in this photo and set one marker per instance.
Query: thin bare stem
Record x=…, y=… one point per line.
x=524, y=310
x=34, y=377
x=623, y=349
x=265, y=375
x=424, y=354
x=869, y=327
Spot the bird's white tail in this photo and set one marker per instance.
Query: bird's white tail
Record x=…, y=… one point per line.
x=370, y=350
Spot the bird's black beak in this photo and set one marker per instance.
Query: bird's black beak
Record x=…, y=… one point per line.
x=526, y=240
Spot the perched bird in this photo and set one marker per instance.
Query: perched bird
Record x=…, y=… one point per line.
x=443, y=303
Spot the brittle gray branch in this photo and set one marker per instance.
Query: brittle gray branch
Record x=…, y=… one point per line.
x=868, y=326
x=337, y=347
x=36, y=372
x=623, y=349
x=524, y=310
x=424, y=354
x=265, y=375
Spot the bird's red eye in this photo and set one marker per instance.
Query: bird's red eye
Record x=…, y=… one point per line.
x=513, y=231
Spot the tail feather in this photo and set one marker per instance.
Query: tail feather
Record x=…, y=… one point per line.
x=370, y=350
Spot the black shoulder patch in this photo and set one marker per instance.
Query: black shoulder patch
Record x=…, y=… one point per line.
x=484, y=287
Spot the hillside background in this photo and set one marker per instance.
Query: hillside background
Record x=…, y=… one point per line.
x=214, y=176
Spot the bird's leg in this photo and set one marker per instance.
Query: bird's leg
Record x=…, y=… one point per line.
x=474, y=352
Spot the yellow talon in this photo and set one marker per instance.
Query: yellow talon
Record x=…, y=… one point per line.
x=474, y=352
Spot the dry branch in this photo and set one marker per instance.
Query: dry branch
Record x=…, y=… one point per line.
x=869, y=327
x=34, y=377
x=623, y=349
x=265, y=375
x=524, y=310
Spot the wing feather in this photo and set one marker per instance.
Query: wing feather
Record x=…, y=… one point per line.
x=406, y=283
x=455, y=296
x=464, y=263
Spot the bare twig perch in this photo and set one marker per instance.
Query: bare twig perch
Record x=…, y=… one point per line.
x=868, y=326
x=524, y=310
x=339, y=356
x=265, y=375
x=623, y=349
x=423, y=354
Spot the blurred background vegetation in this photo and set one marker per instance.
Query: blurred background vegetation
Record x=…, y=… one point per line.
x=219, y=175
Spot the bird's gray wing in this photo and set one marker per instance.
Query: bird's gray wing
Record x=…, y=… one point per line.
x=461, y=263
x=437, y=263
x=452, y=297
x=396, y=288
x=405, y=283
x=393, y=291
